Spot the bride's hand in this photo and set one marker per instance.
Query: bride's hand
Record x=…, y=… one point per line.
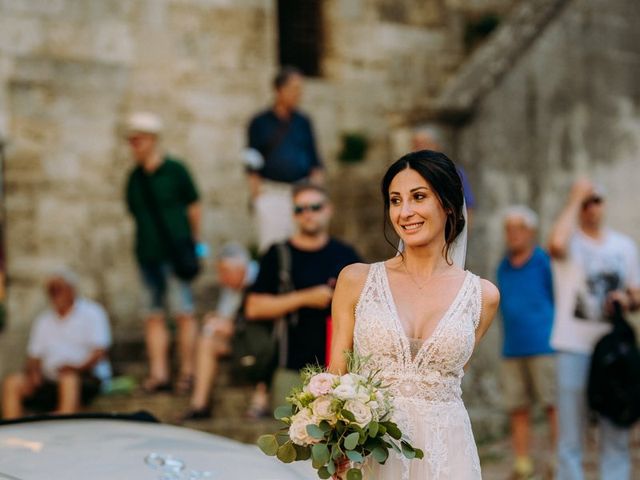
x=341, y=468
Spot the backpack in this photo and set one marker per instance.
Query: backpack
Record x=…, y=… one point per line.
x=258, y=347
x=613, y=388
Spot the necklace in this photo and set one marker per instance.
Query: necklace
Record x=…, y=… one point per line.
x=411, y=277
x=413, y=280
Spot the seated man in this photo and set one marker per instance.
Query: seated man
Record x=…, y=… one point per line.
x=236, y=271
x=66, y=356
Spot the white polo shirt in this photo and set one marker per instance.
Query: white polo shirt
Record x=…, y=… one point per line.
x=57, y=341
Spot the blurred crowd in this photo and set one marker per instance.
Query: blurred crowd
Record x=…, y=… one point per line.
x=272, y=315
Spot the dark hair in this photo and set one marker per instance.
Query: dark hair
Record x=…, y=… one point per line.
x=443, y=177
x=284, y=75
x=306, y=186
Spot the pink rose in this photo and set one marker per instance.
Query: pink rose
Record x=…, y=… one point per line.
x=321, y=384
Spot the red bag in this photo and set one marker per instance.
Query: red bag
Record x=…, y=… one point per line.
x=328, y=345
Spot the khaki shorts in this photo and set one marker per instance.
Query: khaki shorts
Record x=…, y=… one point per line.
x=528, y=379
x=273, y=214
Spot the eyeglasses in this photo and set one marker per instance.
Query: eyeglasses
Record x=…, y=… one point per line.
x=313, y=207
x=592, y=201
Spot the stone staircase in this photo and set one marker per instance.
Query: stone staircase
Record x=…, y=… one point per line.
x=229, y=402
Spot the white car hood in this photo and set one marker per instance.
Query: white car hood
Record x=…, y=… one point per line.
x=116, y=450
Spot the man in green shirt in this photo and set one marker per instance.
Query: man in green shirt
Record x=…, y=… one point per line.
x=164, y=202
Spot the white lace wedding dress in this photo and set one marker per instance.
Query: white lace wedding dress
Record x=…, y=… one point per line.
x=424, y=378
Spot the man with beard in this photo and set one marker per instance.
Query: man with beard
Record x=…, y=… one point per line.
x=315, y=262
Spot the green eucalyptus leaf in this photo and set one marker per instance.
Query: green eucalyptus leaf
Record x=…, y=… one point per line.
x=373, y=429
x=325, y=426
x=348, y=415
x=419, y=453
x=331, y=467
x=286, y=453
x=315, y=432
x=320, y=455
x=323, y=472
x=355, y=456
x=407, y=450
x=283, y=411
x=302, y=453
x=268, y=444
x=382, y=430
x=354, y=474
x=380, y=454
x=351, y=441
x=393, y=430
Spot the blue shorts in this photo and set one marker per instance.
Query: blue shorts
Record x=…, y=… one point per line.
x=164, y=292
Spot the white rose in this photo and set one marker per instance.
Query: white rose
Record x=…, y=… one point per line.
x=298, y=428
x=345, y=391
x=323, y=409
x=361, y=412
x=347, y=379
x=362, y=394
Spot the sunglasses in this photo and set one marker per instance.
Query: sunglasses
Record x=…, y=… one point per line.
x=592, y=201
x=313, y=207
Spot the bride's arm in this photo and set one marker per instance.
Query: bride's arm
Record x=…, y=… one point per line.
x=490, y=302
x=348, y=288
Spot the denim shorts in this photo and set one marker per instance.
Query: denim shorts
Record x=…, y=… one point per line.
x=163, y=291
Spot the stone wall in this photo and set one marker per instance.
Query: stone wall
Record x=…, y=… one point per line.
x=568, y=105
x=71, y=70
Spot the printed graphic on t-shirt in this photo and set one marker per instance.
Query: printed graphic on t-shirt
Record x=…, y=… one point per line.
x=591, y=300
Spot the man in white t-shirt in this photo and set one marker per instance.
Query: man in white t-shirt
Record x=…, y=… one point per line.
x=66, y=355
x=593, y=266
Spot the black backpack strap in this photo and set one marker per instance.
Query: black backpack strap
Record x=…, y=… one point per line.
x=285, y=285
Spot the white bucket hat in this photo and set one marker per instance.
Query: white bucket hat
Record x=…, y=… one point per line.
x=143, y=122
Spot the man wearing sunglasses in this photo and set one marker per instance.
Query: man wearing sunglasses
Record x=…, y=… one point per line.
x=66, y=355
x=592, y=266
x=316, y=261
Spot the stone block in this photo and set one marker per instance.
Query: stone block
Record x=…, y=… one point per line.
x=21, y=35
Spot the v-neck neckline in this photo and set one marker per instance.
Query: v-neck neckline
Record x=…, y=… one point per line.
x=404, y=338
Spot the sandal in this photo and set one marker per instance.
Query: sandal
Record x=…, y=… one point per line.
x=197, y=414
x=152, y=385
x=184, y=385
x=256, y=412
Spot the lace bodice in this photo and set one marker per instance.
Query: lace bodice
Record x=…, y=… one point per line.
x=429, y=372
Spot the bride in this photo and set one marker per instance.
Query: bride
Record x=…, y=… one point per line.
x=418, y=317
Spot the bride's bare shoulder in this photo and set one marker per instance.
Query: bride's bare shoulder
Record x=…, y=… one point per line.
x=490, y=294
x=354, y=274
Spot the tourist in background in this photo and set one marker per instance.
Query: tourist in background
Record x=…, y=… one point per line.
x=164, y=203
x=526, y=304
x=236, y=272
x=593, y=265
x=281, y=152
x=67, y=363
x=315, y=262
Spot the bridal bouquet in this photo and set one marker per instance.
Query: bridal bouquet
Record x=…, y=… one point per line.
x=336, y=417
